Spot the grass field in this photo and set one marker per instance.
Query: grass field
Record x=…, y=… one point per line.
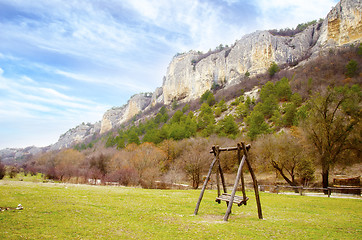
x=65, y=211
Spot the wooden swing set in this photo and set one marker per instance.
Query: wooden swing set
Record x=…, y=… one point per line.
x=241, y=147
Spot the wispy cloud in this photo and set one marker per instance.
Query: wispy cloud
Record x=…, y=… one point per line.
x=285, y=13
x=125, y=83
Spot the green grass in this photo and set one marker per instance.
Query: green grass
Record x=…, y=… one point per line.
x=65, y=211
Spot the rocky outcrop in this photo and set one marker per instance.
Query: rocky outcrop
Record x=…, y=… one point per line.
x=343, y=24
x=111, y=118
x=76, y=135
x=116, y=116
x=157, y=96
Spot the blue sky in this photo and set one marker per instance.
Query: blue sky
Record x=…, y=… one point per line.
x=64, y=62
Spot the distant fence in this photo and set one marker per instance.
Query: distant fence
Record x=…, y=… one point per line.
x=302, y=190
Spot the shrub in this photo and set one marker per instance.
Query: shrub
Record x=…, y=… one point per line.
x=273, y=69
x=217, y=112
x=13, y=171
x=211, y=100
x=351, y=68
x=186, y=108
x=359, y=51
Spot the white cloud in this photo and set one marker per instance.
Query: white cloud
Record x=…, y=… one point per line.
x=30, y=97
x=285, y=13
x=200, y=24
x=112, y=82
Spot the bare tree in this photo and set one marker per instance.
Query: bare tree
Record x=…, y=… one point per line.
x=284, y=153
x=194, y=160
x=67, y=164
x=147, y=160
x=334, y=126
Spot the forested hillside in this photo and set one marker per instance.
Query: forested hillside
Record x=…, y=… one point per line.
x=302, y=123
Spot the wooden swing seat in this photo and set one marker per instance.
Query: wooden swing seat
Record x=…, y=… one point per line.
x=237, y=199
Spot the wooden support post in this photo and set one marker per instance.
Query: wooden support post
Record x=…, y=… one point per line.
x=218, y=182
x=256, y=190
x=228, y=211
x=216, y=153
x=222, y=178
x=204, y=186
x=241, y=175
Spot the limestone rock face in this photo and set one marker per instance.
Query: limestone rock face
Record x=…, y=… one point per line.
x=157, y=96
x=112, y=117
x=76, y=135
x=118, y=115
x=343, y=24
x=136, y=104
x=190, y=75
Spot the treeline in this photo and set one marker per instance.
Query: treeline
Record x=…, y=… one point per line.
x=164, y=165
x=299, y=28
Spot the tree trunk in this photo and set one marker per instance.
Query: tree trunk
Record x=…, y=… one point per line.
x=280, y=170
x=325, y=175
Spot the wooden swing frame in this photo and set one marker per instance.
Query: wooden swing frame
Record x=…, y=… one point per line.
x=241, y=147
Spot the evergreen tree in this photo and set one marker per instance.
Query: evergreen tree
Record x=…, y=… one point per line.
x=273, y=69
x=206, y=118
x=211, y=100
x=283, y=90
x=267, y=90
x=290, y=114
x=257, y=124
x=133, y=138
x=228, y=126
x=352, y=68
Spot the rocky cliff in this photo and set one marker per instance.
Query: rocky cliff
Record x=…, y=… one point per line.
x=343, y=24
x=189, y=75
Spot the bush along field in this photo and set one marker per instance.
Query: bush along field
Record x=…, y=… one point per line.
x=71, y=211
